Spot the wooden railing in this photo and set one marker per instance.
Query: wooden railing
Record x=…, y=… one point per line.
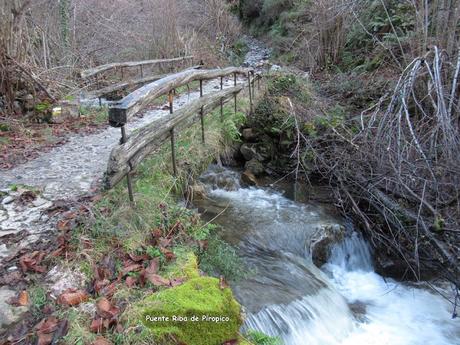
x=141, y=79
x=120, y=65
x=125, y=158
x=121, y=112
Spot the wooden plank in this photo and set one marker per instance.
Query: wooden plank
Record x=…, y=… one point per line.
x=150, y=137
x=99, y=69
x=123, y=110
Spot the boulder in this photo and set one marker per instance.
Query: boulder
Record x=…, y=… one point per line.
x=248, y=178
x=249, y=151
x=215, y=312
x=323, y=240
x=255, y=167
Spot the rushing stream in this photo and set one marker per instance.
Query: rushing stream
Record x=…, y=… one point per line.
x=285, y=295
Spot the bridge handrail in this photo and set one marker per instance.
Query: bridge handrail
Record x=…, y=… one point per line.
x=114, y=65
x=122, y=111
x=127, y=156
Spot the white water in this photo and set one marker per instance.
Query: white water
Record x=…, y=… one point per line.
x=386, y=312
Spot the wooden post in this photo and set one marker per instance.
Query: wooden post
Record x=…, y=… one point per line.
x=100, y=102
x=122, y=73
x=173, y=139
x=173, y=152
x=142, y=71
x=222, y=101
x=202, y=113
x=234, y=84
x=128, y=176
x=250, y=93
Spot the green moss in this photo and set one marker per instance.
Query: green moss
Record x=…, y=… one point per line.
x=185, y=266
x=200, y=298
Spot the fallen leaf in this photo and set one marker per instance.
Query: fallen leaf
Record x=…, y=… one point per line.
x=23, y=299
x=154, y=266
x=31, y=262
x=73, y=298
x=101, y=341
x=169, y=255
x=105, y=309
x=231, y=342
x=130, y=268
x=131, y=281
x=138, y=258
x=26, y=197
x=47, y=325
x=157, y=280
x=109, y=290
x=44, y=339
x=63, y=225
x=97, y=325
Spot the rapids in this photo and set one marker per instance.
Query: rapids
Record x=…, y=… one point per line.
x=344, y=302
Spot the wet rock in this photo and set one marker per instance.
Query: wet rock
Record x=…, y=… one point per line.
x=249, y=151
x=232, y=156
x=249, y=134
x=197, y=191
x=255, y=167
x=323, y=240
x=9, y=314
x=358, y=309
x=249, y=178
x=62, y=278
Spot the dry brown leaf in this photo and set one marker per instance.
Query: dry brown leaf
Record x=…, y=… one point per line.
x=101, y=341
x=73, y=298
x=130, y=268
x=23, y=299
x=105, y=309
x=157, y=280
x=131, y=281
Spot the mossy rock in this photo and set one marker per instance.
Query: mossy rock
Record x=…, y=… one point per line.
x=186, y=266
x=210, y=315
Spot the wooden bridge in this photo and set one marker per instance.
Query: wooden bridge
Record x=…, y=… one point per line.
x=133, y=149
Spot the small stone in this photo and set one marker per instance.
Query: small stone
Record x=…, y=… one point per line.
x=255, y=167
x=88, y=308
x=62, y=278
x=9, y=314
x=8, y=200
x=249, y=178
x=29, y=103
x=12, y=268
